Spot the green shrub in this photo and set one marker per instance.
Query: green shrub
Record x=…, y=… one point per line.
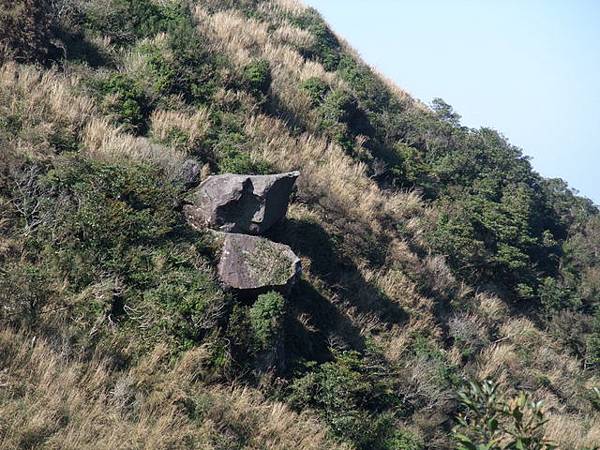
x=230, y=145
x=266, y=319
x=342, y=118
x=553, y=296
x=194, y=300
x=488, y=421
x=24, y=291
x=354, y=395
x=404, y=440
x=316, y=89
x=124, y=21
x=163, y=73
x=112, y=239
x=196, y=68
x=239, y=161
x=335, y=114
x=368, y=87
x=592, y=351
x=125, y=100
x=108, y=219
x=326, y=48
x=256, y=78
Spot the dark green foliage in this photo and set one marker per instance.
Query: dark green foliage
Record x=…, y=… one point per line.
x=266, y=319
x=490, y=422
x=107, y=207
x=114, y=229
x=163, y=72
x=368, y=88
x=581, y=270
x=25, y=289
x=326, y=48
x=238, y=161
x=125, y=100
x=228, y=143
x=187, y=68
x=26, y=30
x=342, y=119
x=316, y=89
x=554, y=297
x=494, y=239
x=124, y=21
x=355, y=397
x=256, y=78
x=193, y=298
x=404, y=440
x=410, y=166
x=196, y=68
x=592, y=353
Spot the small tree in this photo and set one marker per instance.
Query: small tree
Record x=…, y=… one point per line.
x=266, y=316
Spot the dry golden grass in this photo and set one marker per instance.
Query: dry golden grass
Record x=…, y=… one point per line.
x=194, y=126
x=43, y=105
x=498, y=361
x=295, y=7
x=48, y=400
x=350, y=192
x=46, y=103
x=573, y=433
x=105, y=142
x=244, y=39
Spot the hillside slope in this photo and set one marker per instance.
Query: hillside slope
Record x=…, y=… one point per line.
x=432, y=253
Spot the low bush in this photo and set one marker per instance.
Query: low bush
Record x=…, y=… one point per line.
x=368, y=88
x=256, y=78
x=354, y=396
x=125, y=21
x=342, y=119
x=266, y=319
x=230, y=145
x=111, y=238
x=25, y=289
x=316, y=89
x=123, y=99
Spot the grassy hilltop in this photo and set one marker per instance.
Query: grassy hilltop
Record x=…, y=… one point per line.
x=447, y=287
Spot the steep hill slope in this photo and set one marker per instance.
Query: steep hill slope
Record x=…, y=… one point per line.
x=433, y=255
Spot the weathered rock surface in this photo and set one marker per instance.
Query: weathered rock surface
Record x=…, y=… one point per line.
x=252, y=263
x=241, y=203
x=189, y=173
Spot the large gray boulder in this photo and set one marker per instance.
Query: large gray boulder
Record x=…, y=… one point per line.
x=252, y=263
x=241, y=203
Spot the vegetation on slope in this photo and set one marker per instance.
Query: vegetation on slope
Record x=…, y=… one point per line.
x=433, y=254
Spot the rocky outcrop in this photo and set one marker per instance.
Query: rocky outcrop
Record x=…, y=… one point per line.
x=255, y=264
x=241, y=203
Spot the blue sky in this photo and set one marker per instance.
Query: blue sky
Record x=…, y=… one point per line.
x=528, y=68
